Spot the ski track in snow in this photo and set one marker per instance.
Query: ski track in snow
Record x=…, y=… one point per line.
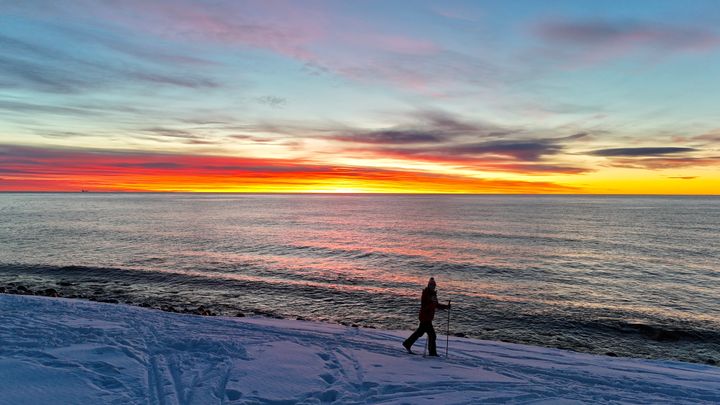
x=76, y=352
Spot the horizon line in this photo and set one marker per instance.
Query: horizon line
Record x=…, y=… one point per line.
x=354, y=193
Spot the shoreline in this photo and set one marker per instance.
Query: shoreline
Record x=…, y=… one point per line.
x=72, y=351
x=17, y=288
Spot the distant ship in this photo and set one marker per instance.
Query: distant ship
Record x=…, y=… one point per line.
x=83, y=191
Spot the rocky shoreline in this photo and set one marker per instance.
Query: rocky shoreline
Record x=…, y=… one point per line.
x=17, y=288
x=20, y=289
x=119, y=293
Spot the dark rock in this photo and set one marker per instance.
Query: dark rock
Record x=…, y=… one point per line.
x=370, y=327
x=2, y=290
x=145, y=305
x=300, y=318
x=64, y=284
x=459, y=334
x=711, y=362
x=111, y=301
x=240, y=315
x=201, y=310
x=611, y=354
x=50, y=292
x=667, y=336
x=657, y=333
x=354, y=325
x=21, y=289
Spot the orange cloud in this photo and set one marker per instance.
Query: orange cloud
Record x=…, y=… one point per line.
x=44, y=169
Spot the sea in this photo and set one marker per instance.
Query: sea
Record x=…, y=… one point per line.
x=635, y=276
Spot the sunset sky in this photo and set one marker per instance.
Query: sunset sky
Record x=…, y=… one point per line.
x=361, y=96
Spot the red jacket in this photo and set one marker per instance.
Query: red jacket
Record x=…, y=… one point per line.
x=428, y=304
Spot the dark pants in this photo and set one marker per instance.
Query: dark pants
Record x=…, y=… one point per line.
x=425, y=327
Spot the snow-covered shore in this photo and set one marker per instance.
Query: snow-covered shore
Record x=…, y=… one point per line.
x=55, y=350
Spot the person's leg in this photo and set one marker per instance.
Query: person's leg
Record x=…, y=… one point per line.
x=415, y=336
x=432, y=348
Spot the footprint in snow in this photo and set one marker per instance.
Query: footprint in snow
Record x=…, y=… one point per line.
x=329, y=396
x=328, y=378
x=233, y=395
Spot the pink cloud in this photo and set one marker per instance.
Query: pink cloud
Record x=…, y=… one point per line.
x=325, y=42
x=318, y=35
x=290, y=29
x=710, y=137
x=287, y=30
x=599, y=40
x=395, y=43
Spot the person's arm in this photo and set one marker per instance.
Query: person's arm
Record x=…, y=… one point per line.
x=443, y=306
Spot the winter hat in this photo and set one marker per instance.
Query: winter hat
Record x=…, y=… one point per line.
x=431, y=282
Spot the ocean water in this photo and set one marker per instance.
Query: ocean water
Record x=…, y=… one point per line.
x=631, y=276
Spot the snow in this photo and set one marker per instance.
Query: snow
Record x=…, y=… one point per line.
x=55, y=350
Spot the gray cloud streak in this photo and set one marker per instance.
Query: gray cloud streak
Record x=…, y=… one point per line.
x=647, y=151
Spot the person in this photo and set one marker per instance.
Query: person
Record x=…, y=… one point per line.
x=428, y=304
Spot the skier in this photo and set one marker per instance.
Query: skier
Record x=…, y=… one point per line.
x=429, y=303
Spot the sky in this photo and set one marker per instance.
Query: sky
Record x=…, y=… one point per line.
x=571, y=97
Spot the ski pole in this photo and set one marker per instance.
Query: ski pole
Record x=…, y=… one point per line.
x=447, y=335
